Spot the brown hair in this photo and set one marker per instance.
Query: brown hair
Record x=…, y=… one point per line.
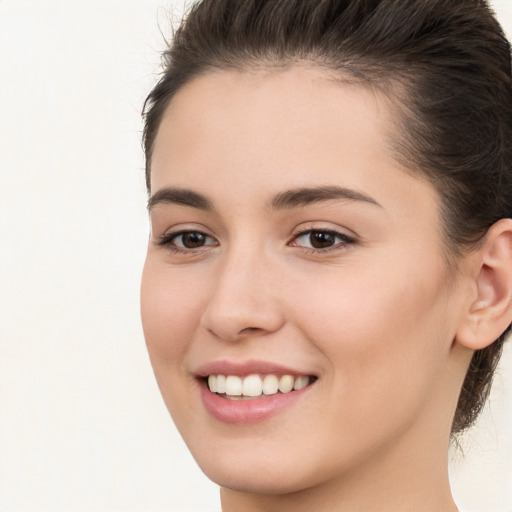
x=445, y=64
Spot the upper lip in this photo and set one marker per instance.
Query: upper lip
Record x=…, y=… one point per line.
x=242, y=368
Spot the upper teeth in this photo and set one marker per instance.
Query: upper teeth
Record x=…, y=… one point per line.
x=254, y=385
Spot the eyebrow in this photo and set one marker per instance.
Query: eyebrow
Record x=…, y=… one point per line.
x=303, y=196
x=182, y=196
x=293, y=198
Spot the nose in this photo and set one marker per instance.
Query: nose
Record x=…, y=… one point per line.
x=244, y=298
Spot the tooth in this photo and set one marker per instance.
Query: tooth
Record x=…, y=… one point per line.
x=300, y=382
x=270, y=385
x=221, y=383
x=212, y=383
x=233, y=385
x=252, y=385
x=286, y=383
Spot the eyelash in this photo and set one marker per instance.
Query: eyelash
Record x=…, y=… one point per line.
x=167, y=241
x=344, y=242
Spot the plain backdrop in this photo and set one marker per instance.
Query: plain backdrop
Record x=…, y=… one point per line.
x=82, y=424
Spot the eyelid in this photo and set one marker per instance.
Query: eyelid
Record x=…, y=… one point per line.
x=166, y=240
x=179, y=228
x=346, y=240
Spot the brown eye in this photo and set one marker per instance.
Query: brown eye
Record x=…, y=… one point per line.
x=321, y=239
x=318, y=240
x=187, y=241
x=190, y=240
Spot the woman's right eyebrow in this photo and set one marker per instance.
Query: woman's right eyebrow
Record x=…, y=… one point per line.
x=182, y=196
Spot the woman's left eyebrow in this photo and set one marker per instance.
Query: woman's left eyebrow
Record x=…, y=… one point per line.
x=298, y=197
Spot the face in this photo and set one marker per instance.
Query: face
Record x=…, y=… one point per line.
x=289, y=246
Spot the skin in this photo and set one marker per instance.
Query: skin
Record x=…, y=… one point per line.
x=381, y=320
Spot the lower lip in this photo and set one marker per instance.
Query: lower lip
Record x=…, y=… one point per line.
x=244, y=412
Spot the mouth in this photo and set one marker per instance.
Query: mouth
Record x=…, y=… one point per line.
x=251, y=391
x=256, y=386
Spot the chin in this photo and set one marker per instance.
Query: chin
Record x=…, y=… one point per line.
x=253, y=465
x=265, y=468
x=247, y=479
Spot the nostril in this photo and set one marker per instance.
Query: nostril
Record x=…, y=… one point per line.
x=251, y=329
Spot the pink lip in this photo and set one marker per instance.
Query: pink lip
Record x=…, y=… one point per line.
x=245, y=368
x=243, y=412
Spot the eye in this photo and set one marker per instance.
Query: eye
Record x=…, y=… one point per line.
x=321, y=239
x=186, y=240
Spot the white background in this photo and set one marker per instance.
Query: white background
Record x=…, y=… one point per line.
x=82, y=424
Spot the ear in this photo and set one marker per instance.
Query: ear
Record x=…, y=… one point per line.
x=490, y=310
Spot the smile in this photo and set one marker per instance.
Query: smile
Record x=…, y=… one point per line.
x=234, y=387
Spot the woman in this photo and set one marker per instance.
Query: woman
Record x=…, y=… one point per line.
x=327, y=285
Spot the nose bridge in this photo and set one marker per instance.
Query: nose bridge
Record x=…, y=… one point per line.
x=243, y=299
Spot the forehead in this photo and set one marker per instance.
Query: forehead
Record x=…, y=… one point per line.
x=266, y=98
x=273, y=116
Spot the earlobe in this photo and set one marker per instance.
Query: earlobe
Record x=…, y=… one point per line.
x=490, y=312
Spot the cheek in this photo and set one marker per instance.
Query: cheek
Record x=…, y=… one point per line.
x=371, y=306
x=381, y=335
x=170, y=314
